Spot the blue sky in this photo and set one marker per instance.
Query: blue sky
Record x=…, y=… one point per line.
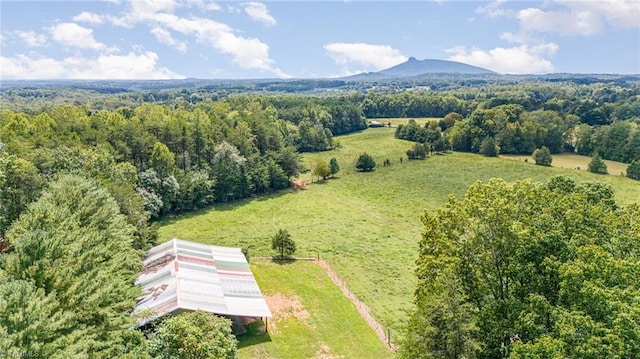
x=162, y=39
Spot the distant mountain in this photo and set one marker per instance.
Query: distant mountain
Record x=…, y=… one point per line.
x=415, y=67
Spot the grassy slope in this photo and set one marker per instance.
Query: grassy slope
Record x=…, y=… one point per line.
x=572, y=160
x=333, y=327
x=366, y=225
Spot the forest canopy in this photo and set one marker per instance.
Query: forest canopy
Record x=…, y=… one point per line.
x=524, y=269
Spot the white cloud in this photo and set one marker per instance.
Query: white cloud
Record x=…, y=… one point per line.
x=203, y=5
x=131, y=66
x=522, y=59
x=165, y=37
x=494, y=9
x=377, y=57
x=248, y=53
x=565, y=23
x=259, y=12
x=89, y=18
x=31, y=39
x=73, y=35
x=582, y=17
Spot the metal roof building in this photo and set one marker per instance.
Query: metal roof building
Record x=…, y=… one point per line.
x=187, y=276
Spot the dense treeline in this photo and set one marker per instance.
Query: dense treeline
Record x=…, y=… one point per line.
x=157, y=160
x=518, y=131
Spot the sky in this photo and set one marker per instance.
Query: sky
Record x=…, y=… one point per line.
x=174, y=39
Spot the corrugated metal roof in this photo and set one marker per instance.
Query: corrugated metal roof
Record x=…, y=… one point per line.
x=182, y=275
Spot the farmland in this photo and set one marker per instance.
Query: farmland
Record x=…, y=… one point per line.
x=365, y=224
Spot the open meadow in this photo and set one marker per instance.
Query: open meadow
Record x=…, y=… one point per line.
x=575, y=161
x=366, y=225
x=311, y=317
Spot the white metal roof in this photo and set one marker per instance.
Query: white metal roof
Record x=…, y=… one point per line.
x=181, y=276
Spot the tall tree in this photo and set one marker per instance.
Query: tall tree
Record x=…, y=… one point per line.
x=73, y=252
x=526, y=270
x=334, y=167
x=283, y=243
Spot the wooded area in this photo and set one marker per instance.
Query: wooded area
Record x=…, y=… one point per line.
x=510, y=270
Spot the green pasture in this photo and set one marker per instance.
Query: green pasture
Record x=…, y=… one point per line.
x=576, y=161
x=312, y=318
x=366, y=225
x=395, y=121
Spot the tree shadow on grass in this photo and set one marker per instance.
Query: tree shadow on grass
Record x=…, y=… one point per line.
x=285, y=261
x=256, y=334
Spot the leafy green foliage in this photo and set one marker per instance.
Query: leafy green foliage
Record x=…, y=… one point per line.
x=633, y=170
x=365, y=163
x=530, y=270
x=334, y=166
x=597, y=165
x=193, y=335
x=20, y=184
x=282, y=243
x=419, y=151
x=489, y=147
x=542, y=156
x=321, y=170
x=73, y=256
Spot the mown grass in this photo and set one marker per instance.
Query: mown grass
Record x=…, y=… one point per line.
x=576, y=161
x=366, y=225
x=325, y=325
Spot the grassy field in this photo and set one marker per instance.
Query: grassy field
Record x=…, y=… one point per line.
x=575, y=161
x=395, y=121
x=311, y=317
x=366, y=225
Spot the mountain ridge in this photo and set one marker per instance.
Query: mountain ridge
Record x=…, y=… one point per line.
x=414, y=67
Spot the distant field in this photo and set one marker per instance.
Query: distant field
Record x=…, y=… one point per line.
x=367, y=225
x=395, y=121
x=311, y=317
x=575, y=161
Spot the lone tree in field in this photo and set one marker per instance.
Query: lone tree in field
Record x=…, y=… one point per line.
x=334, y=167
x=597, y=165
x=633, y=170
x=542, y=156
x=365, y=163
x=321, y=170
x=283, y=243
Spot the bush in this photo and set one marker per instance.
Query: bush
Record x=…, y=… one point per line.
x=633, y=171
x=542, y=156
x=365, y=163
x=489, y=147
x=597, y=165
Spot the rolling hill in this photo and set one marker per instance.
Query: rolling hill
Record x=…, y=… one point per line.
x=414, y=67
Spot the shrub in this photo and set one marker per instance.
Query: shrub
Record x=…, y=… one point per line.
x=542, y=156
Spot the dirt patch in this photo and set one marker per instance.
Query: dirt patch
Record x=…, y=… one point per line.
x=325, y=353
x=283, y=307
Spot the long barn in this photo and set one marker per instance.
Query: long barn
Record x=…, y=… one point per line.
x=183, y=276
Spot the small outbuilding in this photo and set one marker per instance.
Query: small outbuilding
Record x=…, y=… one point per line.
x=375, y=124
x=183, y=276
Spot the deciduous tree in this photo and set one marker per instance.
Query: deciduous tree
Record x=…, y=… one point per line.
x=282, y=243
x=542, y=156
x=194, y=335
x=526, y=270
